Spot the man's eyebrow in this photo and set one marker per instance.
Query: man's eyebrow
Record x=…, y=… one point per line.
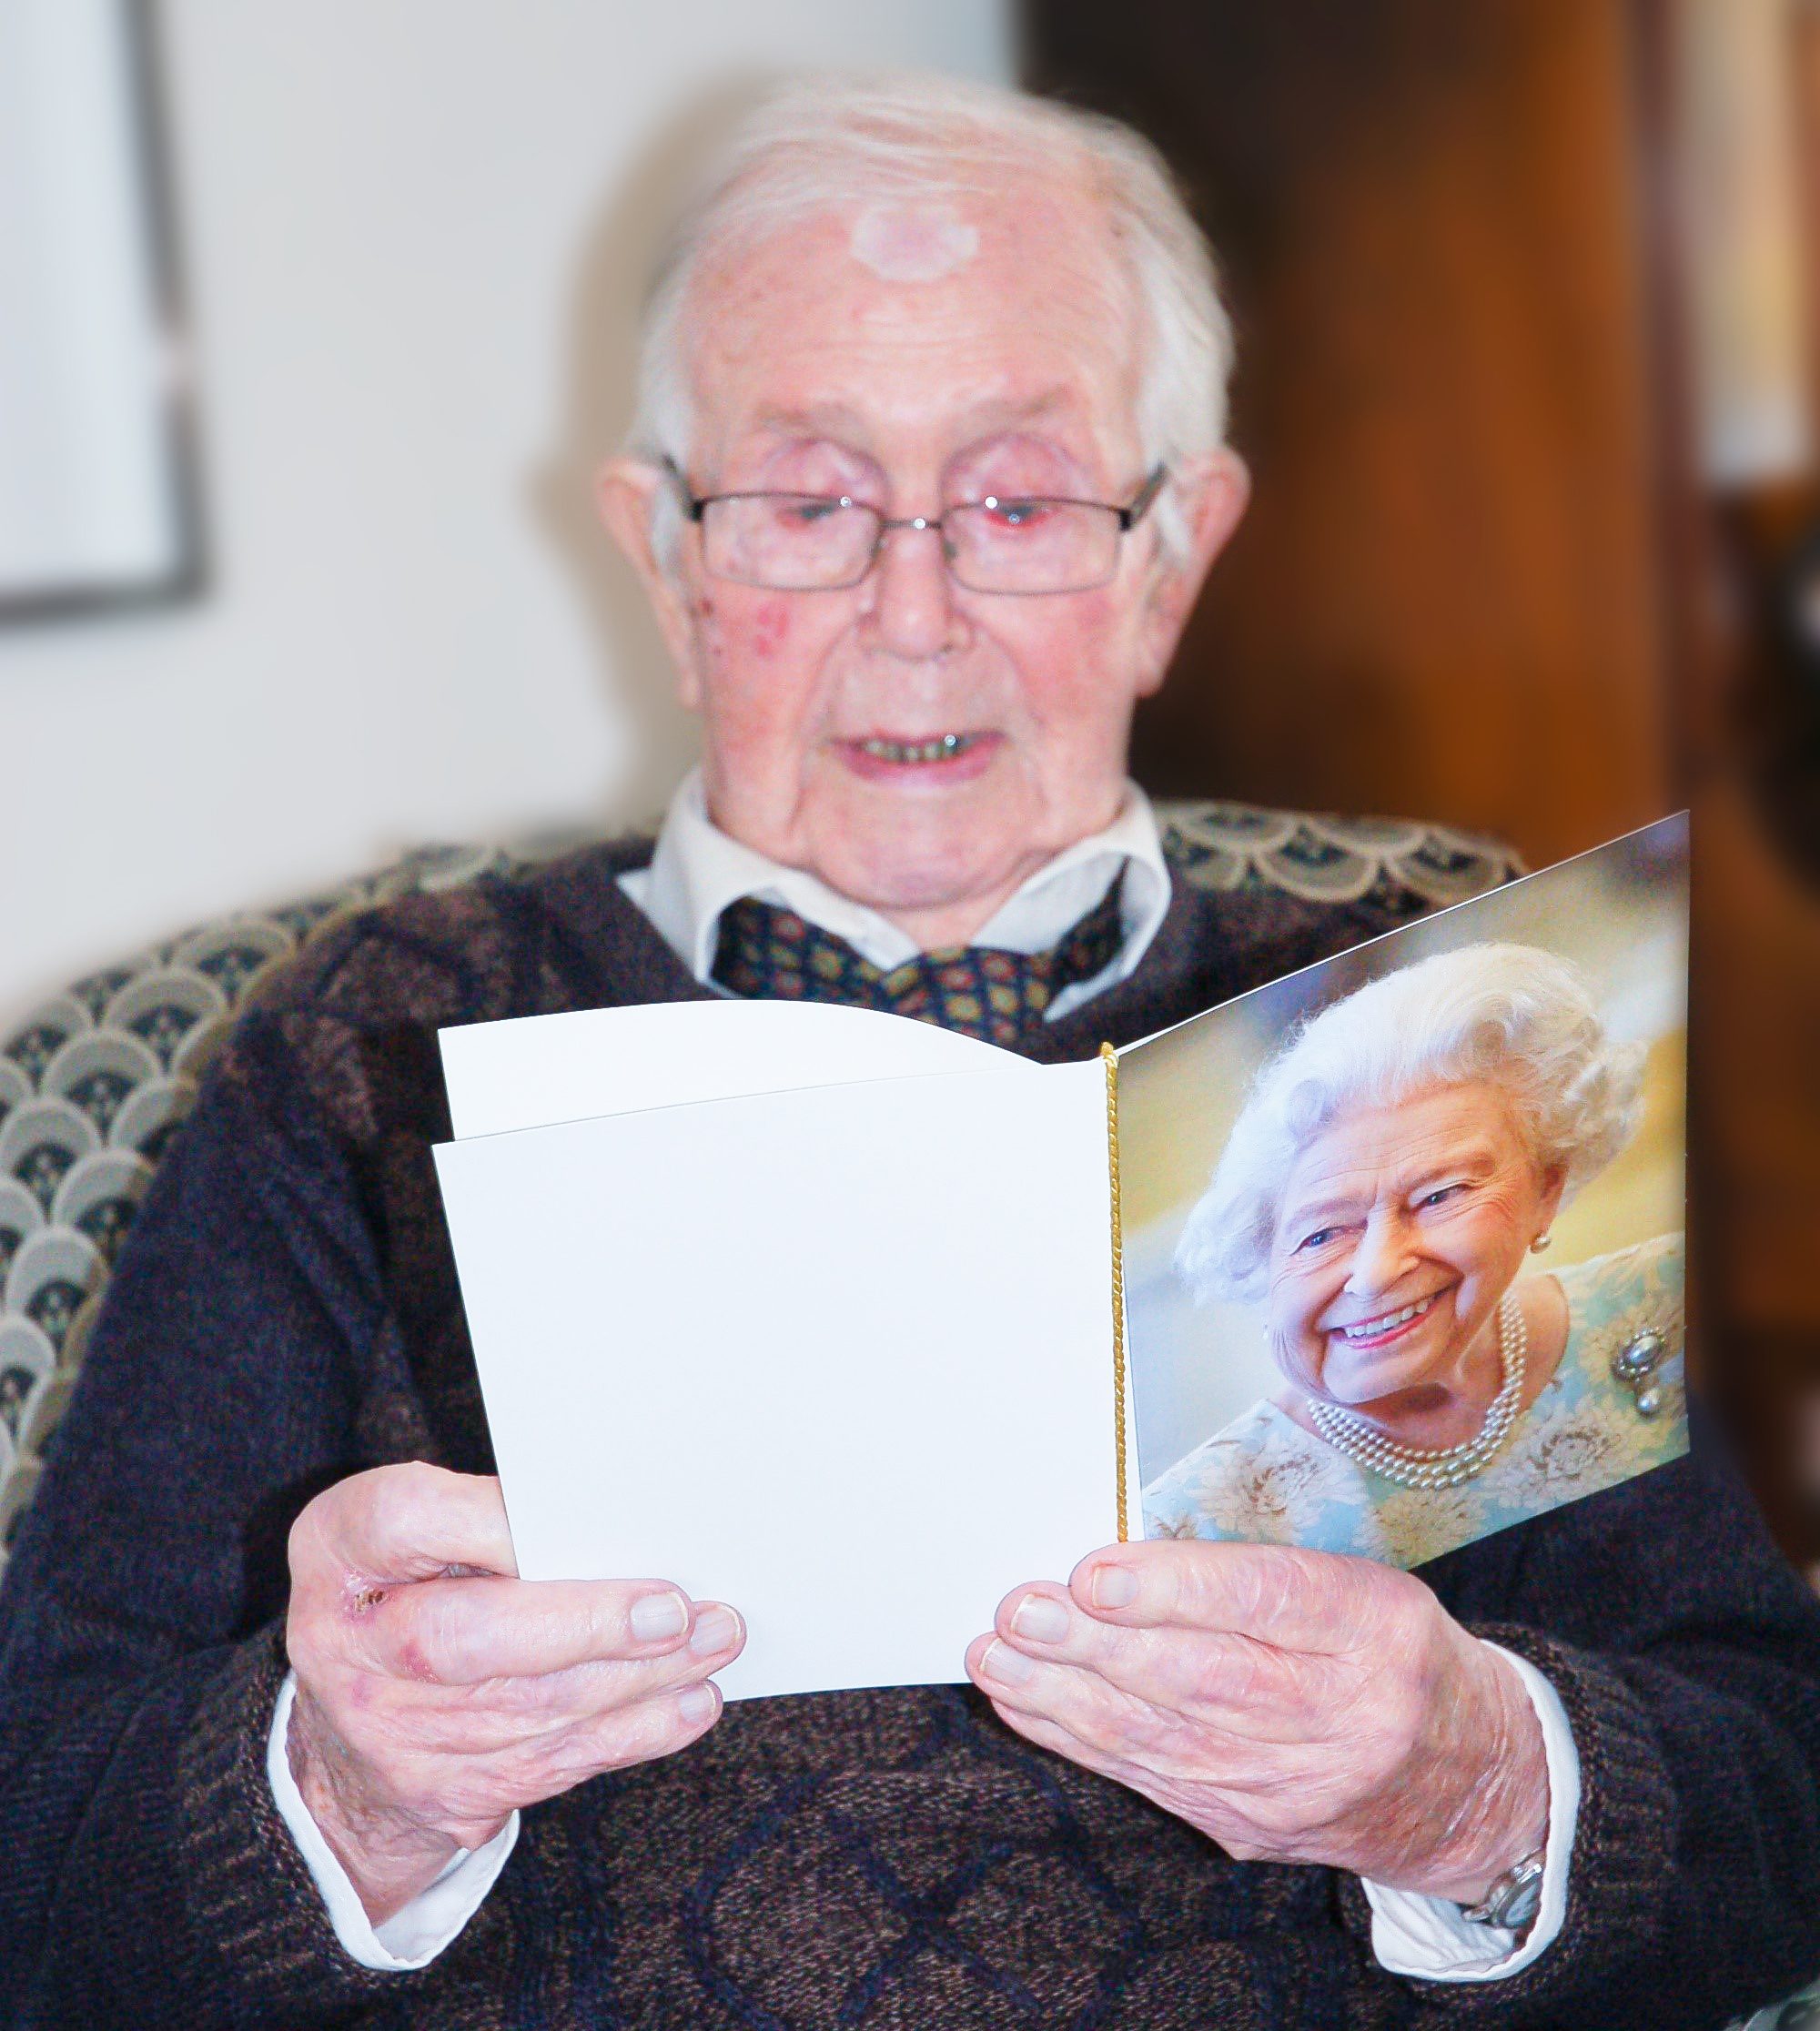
x=996, y=413
x=815, y=419
x=840, y=419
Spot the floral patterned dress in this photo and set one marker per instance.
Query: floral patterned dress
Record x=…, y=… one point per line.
x=1265, y=1480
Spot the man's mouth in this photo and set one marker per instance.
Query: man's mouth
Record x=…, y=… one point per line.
x=1385, y=1326
x=945, y=747
x=942, y=758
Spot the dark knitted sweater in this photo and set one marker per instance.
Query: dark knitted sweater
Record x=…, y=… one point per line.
x=286, y=1313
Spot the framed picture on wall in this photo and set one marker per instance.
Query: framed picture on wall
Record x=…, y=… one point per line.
x=99, y=496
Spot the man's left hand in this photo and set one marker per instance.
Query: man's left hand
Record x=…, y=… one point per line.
x=1295, y=1706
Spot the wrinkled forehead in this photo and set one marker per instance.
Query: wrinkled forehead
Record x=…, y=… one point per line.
x=920, y=316
x=1373, y=1147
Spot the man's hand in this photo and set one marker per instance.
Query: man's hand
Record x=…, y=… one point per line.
x=436, y=1692
x=1296, y=1706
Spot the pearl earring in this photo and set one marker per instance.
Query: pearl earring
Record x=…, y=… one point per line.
x=1540, y=1243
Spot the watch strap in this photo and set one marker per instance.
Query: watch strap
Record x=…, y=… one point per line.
x=1514, y=1900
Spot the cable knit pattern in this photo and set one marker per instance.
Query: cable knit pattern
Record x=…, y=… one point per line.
x=285, y=1312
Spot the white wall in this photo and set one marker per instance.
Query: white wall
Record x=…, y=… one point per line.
x=413, y=233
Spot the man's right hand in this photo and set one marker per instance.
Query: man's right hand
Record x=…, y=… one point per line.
x=437, y=1692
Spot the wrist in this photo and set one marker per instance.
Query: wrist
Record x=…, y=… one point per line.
x=1493, y=1809
x=1504, y=1817
x=389, y=1858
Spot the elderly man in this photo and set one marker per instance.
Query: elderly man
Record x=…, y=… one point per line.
x=927, y=472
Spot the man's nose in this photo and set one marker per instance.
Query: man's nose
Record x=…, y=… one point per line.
x=913, y=613
x=1381, y=1257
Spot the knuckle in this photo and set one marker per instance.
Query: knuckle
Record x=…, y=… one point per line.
x=634, y=1735
x=300, y=1539
x=442, y=1635
x=658, y=1726
x=411, y=1640
x=1234, y=1674
x=1251, y=1583
x=310, y=1656
x=1190, y=1579
x=401, y=1497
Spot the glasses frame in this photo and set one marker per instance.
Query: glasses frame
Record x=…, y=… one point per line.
x=1128, y=515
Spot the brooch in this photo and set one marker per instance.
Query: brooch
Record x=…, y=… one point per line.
x=1635, y=1364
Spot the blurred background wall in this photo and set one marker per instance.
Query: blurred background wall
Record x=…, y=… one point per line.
x=412, y=237
x=1525, y=292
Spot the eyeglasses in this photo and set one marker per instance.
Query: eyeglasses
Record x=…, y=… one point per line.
x=795, y=543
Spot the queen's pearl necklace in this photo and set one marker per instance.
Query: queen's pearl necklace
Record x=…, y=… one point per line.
x=1439, y=1465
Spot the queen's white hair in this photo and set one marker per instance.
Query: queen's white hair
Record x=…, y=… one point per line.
x=828, y=140
x=1506, y=1015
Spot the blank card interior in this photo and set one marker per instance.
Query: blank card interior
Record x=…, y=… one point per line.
x=840, y=1357
x=528, y=1071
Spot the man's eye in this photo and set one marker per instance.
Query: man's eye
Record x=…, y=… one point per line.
x=807, y=513
x=1019, y=514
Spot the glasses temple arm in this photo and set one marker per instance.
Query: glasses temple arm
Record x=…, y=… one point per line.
x=1129, y=517
x=692, y=501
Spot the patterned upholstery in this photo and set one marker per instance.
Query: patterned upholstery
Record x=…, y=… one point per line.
x=94, y=1082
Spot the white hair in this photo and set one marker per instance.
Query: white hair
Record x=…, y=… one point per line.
x=828, y=140
x=1506, y=1015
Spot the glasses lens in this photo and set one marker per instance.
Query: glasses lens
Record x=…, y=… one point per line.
x=1033, y=546
x=791, y=542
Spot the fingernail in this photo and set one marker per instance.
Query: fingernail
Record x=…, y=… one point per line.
x=714, y=1632
x=695, y=1702
x=1112, y=1586
x=1041, y=1619
x=1001, y=1662
x=655, y=1616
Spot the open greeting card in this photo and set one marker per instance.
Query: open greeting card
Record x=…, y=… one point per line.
x=856, y=1323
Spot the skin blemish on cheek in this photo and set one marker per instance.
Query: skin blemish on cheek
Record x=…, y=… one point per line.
x=770, y=624
x=912, y=243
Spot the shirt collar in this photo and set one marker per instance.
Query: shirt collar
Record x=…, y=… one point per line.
x=698, y=870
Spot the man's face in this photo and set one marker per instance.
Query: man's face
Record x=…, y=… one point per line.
x=920, y=747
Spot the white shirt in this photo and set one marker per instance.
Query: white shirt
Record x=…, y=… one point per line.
x=695, y=872
x=698, y=870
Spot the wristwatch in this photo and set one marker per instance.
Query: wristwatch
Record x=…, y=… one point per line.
x=1514, y=1900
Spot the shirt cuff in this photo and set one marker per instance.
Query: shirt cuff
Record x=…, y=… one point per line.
x=1431, y=1937
x=409, y=1938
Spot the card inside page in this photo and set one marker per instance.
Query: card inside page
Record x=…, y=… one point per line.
x=532, y=1070
x=841, y=1357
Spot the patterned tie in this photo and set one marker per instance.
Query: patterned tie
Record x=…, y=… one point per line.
x=769, y=953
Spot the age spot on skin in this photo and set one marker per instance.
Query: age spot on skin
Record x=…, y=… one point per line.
x=770, y=624
x=912, y=243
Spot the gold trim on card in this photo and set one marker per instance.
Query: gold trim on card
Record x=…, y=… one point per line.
x=1110, y=1057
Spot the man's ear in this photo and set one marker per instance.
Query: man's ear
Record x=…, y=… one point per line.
x=1212, y=494
x=626, y=496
